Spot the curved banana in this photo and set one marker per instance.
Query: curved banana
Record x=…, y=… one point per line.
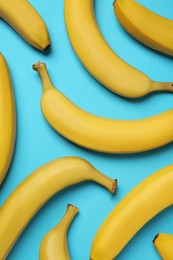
x=99, y=59
x=25, y=20
x=54, y=245
x=102, y=134
x=7, y=119
x=36, y=189
x=164, y=245
x=150, y=197
x=146, y=26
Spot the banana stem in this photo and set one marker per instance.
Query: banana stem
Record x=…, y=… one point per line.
x=68, y=217
x=162, y=86
x=105, y=181
x=41, y=68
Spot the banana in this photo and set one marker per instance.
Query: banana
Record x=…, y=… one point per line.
x=99, y=59
x=146, y=26
x=150, y=197
x=37, y=189
x=25, y=20
x=102, y=134
x=164, y=245
x=54, y=245
x=7, y=119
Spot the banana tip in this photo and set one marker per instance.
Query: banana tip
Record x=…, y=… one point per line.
x=47, y=47
x=114, y=186
x=72, y=206
x=155, y=238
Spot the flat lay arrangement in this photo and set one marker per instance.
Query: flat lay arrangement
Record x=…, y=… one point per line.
x=62, y=132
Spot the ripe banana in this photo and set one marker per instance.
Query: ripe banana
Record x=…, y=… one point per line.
x=54, y=245
x=164, y=245
x=146, y=26
x=25, y=20
x=36, y=189
x=150, y=197
x=101, y=134
x=7, y=119
x=99, y=59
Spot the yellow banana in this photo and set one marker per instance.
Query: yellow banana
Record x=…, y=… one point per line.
x=7, y=119
x=25, y=20
x=36, y=189
x=144, y=25
x=54, y=245
x=102, y=134
x=99, y=59
x=150, y=197
x=164, y=245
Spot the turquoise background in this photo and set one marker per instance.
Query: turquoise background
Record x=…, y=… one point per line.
x=37, y=143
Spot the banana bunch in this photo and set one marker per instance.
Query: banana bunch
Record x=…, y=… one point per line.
x=145, y=201
x=99, y=59
x=164, y=245
x=37, y=189
x=54, y=245
x=97, y=133
x=25, y=20
x=150, y=197
x=7, y=119
x=146, y=26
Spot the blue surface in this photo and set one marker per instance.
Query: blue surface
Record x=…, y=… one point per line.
x=37, y=143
